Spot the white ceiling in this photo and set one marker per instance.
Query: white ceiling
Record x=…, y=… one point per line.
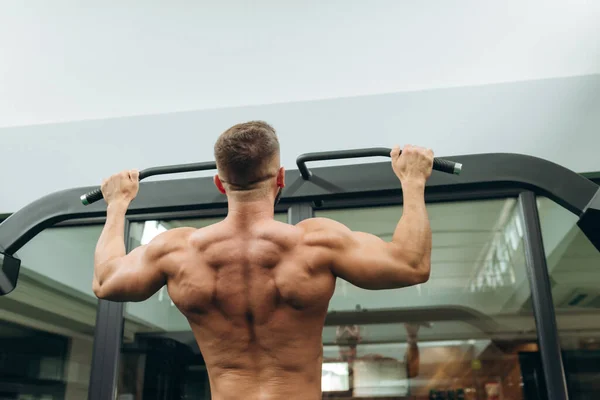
x=67, y=60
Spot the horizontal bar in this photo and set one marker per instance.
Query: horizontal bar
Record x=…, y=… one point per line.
x=96, y=194
x=439, y=164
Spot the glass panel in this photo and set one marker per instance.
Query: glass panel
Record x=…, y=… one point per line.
x=574, y=266
x=160, y=357
x=473, y=326
x=47, y=323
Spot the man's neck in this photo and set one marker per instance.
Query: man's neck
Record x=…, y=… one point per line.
x=255, y=210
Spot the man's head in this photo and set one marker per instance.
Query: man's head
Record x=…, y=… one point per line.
x=248, y=163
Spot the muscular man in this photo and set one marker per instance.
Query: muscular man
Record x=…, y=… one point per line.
x=255, y=291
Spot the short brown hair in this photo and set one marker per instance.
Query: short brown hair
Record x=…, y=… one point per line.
x=244, y=154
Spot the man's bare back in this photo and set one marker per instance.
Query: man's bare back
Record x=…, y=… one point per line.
x=256, y=291
x=256, y=298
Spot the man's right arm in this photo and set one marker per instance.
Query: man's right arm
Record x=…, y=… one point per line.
x=366, y=260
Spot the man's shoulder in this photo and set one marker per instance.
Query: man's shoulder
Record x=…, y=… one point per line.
x=319, y=224
x=323, y=232
x=177, y=233
x=172, y=239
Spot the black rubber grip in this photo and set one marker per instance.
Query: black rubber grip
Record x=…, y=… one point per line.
x=92, y=197
x=96, y=194
x=439, y=164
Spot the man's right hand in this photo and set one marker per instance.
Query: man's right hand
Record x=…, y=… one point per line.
x=412, y=164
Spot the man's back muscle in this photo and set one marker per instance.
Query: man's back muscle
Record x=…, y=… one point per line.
x=256, y=299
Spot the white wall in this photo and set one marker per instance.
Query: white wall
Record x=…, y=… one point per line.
x=458, y=76
x=68, y=60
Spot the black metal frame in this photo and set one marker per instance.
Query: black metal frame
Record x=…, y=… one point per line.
x=107, y=349
x=484, y=176
x=541, y=297
x=108, y=337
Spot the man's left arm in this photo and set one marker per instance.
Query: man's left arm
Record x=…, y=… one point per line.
x=141, y=273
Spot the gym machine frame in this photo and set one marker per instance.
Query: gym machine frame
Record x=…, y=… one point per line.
x=484, y=176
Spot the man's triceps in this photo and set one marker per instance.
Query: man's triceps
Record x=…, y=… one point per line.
x=139, y=274
x=369, y=262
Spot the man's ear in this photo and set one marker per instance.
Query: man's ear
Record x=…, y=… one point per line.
x=281, y=178
x=219, y=184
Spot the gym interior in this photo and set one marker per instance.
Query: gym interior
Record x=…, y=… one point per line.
x=512, y=309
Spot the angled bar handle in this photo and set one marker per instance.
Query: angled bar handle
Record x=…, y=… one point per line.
x=96, y=194
x=439, y=164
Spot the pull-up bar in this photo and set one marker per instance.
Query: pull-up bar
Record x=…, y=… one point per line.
x=439, y=164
